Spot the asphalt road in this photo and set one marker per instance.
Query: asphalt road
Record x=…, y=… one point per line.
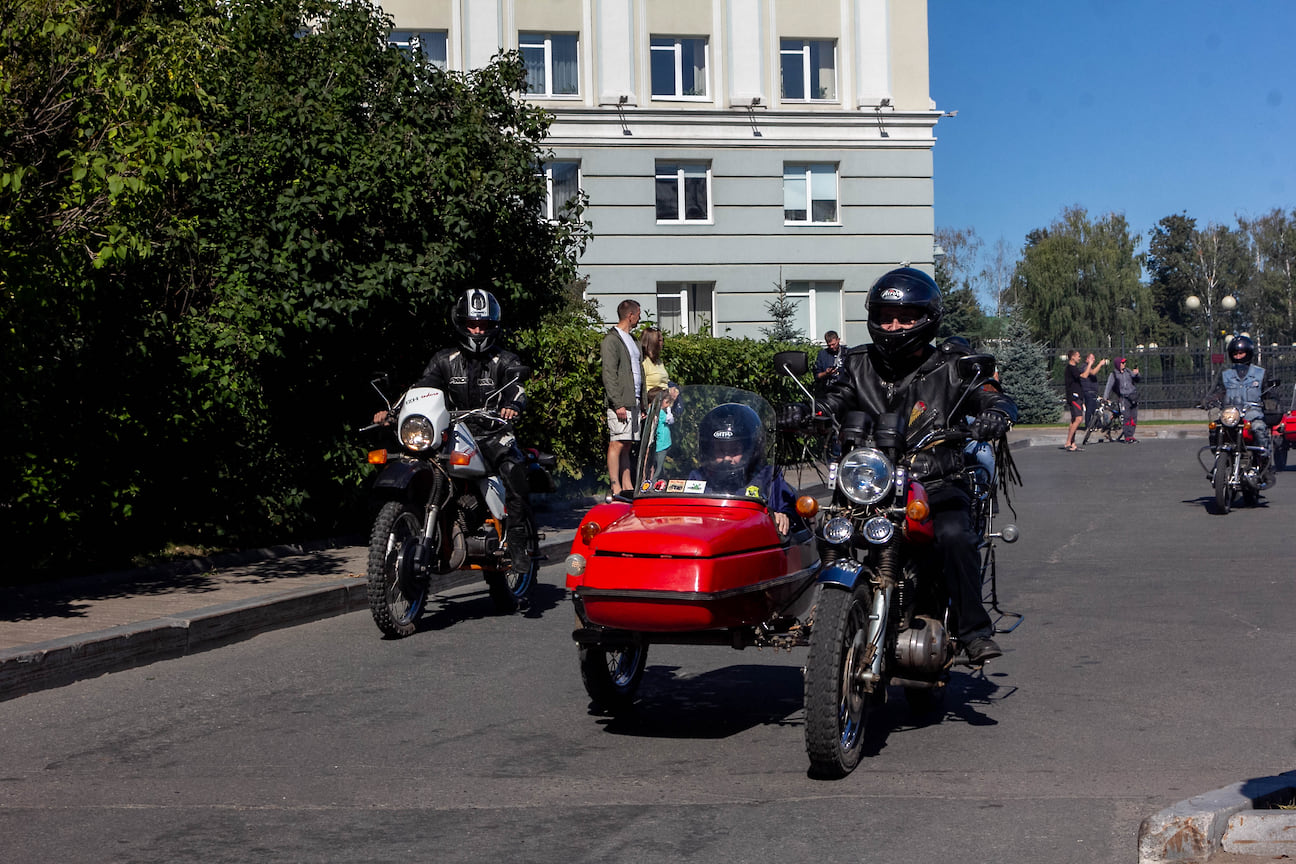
x=1153, y=663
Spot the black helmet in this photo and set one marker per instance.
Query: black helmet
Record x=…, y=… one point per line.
x=911, y=289
x=480, y=308
x=1243, y=344
x=730, y=422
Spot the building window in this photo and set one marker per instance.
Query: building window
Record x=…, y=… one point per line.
x=550, y=60
x=562, y=185
x=683, y=192
x=809, y=193
x=818, y=306
x=809, y=69
x=430, y=43
x=679, y=66
x=684, y=307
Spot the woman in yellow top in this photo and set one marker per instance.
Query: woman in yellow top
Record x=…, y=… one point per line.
x=654, y=371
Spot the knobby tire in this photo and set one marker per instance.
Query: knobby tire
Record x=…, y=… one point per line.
x=836, y=705
x=396, y=608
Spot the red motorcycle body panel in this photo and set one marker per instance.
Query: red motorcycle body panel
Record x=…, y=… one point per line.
x=919, y=531
x=672, y=565
x=1286, y=428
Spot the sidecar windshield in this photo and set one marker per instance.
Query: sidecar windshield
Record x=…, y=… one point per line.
x=706, y=441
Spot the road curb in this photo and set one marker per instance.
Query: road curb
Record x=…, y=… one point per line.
x=62, y=661
x=1195, y=829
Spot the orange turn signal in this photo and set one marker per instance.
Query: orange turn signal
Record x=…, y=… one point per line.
x=459, y=457
x=377, y=457
x=807, y=507
x=588, y=531
x=917, y=510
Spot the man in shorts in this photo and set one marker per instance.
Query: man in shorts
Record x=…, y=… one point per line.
x=623, y=388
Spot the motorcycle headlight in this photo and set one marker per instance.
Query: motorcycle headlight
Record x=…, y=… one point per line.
x=865, y=475
x=1231, y=416
x=838, y=530
x=416, y=433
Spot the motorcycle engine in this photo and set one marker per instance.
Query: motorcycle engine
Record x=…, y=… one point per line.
x=922, y=649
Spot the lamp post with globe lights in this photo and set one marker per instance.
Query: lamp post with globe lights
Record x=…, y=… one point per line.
x=1228, y=303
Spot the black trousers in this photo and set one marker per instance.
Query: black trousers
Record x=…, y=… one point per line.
x=956, y=543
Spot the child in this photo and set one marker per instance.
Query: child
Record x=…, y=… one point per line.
x=664, y=422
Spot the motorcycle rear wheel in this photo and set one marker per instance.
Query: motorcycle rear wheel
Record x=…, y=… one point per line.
x=837, y=706
x=520, y=584
x=395, y=600
x=612, y=675
x=1223, y=492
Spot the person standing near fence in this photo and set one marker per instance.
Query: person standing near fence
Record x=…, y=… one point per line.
x=1089, y=386
x=1124, y=382
x=1074, y=396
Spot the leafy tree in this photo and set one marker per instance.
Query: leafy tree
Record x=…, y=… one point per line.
x=1171, y=272
x=963, y=314
x=1023, y=371
x=1271, y=299
x=1078, y=283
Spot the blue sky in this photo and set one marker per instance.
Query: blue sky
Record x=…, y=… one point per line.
x=1143, y=107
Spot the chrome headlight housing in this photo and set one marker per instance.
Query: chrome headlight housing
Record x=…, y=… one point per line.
x=1231, y=416
x=838, y=530
x=417, y=433
x=865, y=475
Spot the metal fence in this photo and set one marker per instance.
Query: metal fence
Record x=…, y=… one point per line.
x=1180, y=377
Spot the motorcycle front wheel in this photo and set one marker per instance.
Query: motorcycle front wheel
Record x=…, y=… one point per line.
x=521, y=583
x=397, y=595
x=836, y=702
x=1223, y=491
x=612, y=675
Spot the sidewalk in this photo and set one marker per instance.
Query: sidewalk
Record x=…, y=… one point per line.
x=54, y=633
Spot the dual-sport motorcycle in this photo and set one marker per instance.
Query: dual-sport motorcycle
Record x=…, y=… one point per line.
x=444, y=511
x=858, y=582
x=1108, y=421
x=1235, y=463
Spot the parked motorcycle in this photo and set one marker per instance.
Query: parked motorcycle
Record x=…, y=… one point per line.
x=1108, y=421
x=1284, y=434
x=444, y=512
x=1235, y=463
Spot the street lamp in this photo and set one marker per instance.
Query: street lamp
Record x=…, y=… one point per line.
x=1228, y=303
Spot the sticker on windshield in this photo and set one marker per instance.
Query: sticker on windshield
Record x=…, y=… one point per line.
x=675, y=486
x=694, y=485
x=645, y=486
x=659, y=486
x=753, y=492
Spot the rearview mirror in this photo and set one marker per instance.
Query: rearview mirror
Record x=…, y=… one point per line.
x=521, y=373
x=795, y=362
x=976, y=366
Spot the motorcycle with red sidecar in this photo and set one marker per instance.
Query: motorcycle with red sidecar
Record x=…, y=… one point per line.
x=682, y=561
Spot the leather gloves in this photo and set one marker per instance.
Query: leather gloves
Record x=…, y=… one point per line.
x=990, y=425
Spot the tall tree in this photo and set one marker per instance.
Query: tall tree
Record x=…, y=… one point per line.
x=1271, y=300
x=955, y=278
x=1023, y=371
x=1078, y=283
x=1171, y=269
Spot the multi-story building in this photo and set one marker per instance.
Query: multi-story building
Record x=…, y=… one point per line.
x=726, y=146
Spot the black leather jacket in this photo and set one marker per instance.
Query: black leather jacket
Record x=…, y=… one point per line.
x=924, y=392
x=468, y=379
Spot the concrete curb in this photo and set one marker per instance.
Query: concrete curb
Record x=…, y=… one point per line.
x=1195, y=829
x=73, y=658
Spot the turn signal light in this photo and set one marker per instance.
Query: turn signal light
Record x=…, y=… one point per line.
x=459, y=457
x=807, y=507
x=377, y=457
x=917, y=510
x=589, y=531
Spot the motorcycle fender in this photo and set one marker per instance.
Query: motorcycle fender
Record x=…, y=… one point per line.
x=396, y=478
x=842, y=573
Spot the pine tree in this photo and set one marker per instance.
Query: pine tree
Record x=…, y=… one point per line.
x=784, y=312
x=1023, y=372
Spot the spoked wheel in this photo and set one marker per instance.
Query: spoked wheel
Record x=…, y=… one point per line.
x=836, y=702
x=612, y=675
x=1223, y=492
x=397, y=592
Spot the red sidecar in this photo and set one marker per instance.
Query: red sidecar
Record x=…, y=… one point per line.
x=694, y=555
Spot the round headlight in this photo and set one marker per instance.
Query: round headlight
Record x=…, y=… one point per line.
x=878, y=529
x=838, y=530
x=1231, y=416
x=416, y=432
x=865, y=475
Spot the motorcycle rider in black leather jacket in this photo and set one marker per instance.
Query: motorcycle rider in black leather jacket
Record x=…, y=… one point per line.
x=901, y=372
x=468, y=374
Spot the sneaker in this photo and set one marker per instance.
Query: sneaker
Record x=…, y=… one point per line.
x=1131, y=440
x=983, y=648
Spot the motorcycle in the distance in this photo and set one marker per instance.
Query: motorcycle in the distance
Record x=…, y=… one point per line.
x=1234, y=462
x=443, y=511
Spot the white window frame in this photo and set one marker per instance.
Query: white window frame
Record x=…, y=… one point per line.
x=544, y=41
x=831, y=289
x=808, y=174
x=676, y=50
x=406, y=41
x=680, y=175
x=552, y=209
x=808, y=74
x=682, y=293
